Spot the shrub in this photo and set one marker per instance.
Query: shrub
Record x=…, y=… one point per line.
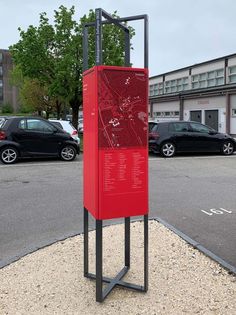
x=7, y=108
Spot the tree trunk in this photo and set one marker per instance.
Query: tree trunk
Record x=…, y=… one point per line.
x=58, y=109
x=75, y=114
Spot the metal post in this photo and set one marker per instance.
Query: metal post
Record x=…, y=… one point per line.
x=85, y=242
x=99, y=297
x=98, y=34
x=146, y=41
x=127, y=49
x=146, y=252
x=127, y=242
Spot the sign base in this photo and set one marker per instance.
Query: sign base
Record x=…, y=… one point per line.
x=101, y=293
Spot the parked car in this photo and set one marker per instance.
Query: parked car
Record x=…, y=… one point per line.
x=2, y=119
x=169, y=138
x=81, y=125
x=22, y=137
x=66, y=126
x=151, y=124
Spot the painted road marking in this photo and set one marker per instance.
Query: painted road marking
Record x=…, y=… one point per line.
x=216, y=211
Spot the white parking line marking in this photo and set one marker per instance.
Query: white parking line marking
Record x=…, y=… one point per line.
x=216, y=211
x=228, y=211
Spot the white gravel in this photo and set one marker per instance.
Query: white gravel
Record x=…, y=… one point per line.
x=181, y=279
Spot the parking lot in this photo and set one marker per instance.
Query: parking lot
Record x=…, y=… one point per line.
x=41, y=202
x=196, y=194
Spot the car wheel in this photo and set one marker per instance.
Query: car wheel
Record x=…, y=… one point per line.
x=168, y=149
x=227, y=148
x=68, y=153
x=9, y=155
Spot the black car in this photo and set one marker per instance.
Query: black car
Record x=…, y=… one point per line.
x=169, y=138
x=151, y=124
x=22, y=137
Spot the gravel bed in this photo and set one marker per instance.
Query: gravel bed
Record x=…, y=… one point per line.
x=181, y=279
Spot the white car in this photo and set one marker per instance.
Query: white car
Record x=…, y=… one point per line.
x=81, y=125
x=67, y=126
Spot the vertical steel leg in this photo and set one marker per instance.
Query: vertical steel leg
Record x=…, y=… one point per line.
x=127, y=242
x=146, y=252
x=99, y=295
x=85, y=242
x=98, y=276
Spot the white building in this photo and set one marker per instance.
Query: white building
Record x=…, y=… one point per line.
x=204, y=92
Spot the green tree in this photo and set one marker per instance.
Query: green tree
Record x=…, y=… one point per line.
x=7, y=108
x=52, y=54
x=33, y=97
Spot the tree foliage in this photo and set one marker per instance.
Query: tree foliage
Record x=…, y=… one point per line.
x=33, y=97
x=7, y=108
x=49, y=58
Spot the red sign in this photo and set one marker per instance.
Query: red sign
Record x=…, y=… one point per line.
x=115, y=141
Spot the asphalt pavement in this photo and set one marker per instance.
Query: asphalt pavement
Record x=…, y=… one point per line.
x=197, y=196
x=41, y=202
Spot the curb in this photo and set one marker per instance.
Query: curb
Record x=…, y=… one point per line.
x=231, y=269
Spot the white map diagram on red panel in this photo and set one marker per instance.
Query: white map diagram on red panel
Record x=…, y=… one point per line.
x=122, y=109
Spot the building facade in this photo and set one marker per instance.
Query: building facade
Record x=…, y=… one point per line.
x=8, y=93
x=205, y=92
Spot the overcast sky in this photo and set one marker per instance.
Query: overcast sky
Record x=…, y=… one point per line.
x=181, y=33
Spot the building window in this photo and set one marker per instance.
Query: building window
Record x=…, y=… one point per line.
x=208, y=79
x=173, y=86
x=157, y=114
x=219, y=81
x=160, y=88
x=232, y=74
x=156, y=89
x=219, y=75
x=202, y=84
x=234, y=112
x=166, y=114
x=195, y=85
x=151, y=90
x=211, y=82
x=1, y=71
x=0, y=57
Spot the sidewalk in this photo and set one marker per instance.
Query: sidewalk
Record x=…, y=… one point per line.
x=181, y=279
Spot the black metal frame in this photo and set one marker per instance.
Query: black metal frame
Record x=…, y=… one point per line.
x=99, y=13
x=101, y=293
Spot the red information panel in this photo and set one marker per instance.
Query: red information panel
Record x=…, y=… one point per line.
x=115, y=141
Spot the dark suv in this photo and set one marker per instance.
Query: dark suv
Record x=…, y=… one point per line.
x=22, y=137
x=168, y=138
